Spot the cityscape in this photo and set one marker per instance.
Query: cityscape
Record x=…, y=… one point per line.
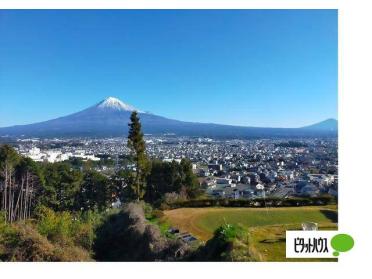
x=225, y=168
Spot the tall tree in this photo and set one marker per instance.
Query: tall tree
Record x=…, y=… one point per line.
x=8, y=161
x=96, y=192
x=168, y=177
x=189, y=179
x=61, y=187
x=19, y=182
x=137, y=146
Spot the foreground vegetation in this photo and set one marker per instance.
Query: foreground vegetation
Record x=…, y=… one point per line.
x=138, y=232
x=50, y=236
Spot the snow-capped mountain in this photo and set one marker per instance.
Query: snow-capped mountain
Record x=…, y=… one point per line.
x=112, y=103
x=110, y=117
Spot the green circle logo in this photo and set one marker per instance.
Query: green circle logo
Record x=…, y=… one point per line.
x=342, y=243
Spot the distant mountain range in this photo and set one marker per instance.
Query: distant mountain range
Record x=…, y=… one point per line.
x=110, y=118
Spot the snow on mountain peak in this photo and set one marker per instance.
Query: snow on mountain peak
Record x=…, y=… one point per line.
x=114, y=103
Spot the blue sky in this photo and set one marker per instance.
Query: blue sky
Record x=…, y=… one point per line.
x=274, y=68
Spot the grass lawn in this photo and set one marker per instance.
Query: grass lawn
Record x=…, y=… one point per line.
x=266, y=226
x=202, y=222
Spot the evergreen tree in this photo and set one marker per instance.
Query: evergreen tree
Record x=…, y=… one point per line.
x=171, y=177
x=96, y=192
x=62, y=185
x=137, y=146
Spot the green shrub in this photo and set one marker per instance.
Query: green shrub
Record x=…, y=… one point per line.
x=147, y=209
x=229, y=243
x=84, y=228
x=8, y=236
x=65, y=228
x=57, y=227
x=228, y=232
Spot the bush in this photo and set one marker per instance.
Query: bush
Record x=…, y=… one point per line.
x=67, y=229
x=229, y=243
x=8, y=237
x=72, y=254
x=147, y=209
x=128, y=236
x=27, y=245
x=164, y=206
x=228, y=232
x=84, y=236
x=23, y=243
x=57, y=227
x=174, y=197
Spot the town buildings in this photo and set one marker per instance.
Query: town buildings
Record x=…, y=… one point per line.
x=227, y=168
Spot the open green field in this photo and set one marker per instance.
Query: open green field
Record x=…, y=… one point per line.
x=266, y=226
x=203, y=221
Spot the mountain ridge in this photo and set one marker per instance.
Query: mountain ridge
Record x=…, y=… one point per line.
x=328, y=124
x=111, y=116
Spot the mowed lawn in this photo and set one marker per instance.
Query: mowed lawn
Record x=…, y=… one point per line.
x=202, y=222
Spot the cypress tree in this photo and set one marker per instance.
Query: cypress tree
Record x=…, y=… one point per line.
x=137, y=146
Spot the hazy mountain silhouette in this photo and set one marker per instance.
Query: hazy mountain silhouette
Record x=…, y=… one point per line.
x=326, y=125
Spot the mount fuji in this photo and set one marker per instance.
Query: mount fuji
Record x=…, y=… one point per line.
x=110, y=118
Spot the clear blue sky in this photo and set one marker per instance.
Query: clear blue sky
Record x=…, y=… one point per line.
x=274, y=68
